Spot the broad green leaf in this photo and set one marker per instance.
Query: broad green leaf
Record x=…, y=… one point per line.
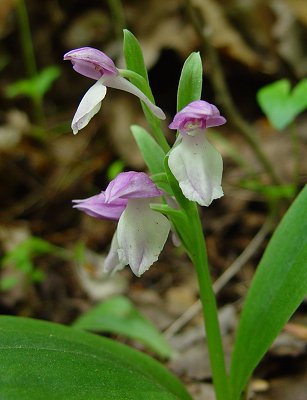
x=42, y=360
x=190, y=83
x=278, y=288
x=152, y=153
x=118, y=315
x=280, y=105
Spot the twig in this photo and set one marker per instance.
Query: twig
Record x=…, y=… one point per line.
x=223, y=96
x=230, y=272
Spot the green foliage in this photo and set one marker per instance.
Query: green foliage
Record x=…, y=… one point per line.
x=42, y=360
x=271, y=192
x=35, y=87
x=133, y=55
x=152, y=153
x=280, y=105
x=279, y=286
x=190, y=83
x=118, y=315
x=115, y=168
x=135, y=62
x=22, y=257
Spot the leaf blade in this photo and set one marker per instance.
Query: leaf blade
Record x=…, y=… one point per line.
x=152, y=153
x=40, y=359
x=118, y=315
x=190, y=82
x=279, y=286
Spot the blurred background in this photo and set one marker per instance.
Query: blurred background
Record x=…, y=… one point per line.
x=52, y=255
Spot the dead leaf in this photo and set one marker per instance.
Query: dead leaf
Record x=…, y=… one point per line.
x=225, y=36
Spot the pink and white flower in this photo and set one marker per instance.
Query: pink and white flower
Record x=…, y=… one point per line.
x=96, y=65
x=193, y=160
x=141, y=232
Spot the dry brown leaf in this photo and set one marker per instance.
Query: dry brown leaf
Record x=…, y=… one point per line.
x=225, y=36
x=159, y=25
x=297, y=330
x=299, y=9
x=90, y=27
x=287, y=33
x=124, y=111
x=6, y=8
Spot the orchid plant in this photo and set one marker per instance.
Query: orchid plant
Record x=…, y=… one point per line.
x=181, y=178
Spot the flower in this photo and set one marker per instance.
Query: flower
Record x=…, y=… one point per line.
x=95, y=64
x=194, y=162
x=141, y=232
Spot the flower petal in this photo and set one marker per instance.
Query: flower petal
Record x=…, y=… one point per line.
x=199, y=112
x=97, y=207
x=118, y=82
x=129, y=185
x=89, y=106
x=198, y=167
x=111, y=262
x=141, y=235
x=91, y=62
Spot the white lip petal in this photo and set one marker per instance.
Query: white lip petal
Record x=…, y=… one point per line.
x=111, y=262
x=141, y=235
x=118, y=82
x=89, y=106
x=198, y=168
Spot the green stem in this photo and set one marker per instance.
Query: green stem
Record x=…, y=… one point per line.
x=214, y=339
x=28, y=56
x=117, y=16
x=26, y=39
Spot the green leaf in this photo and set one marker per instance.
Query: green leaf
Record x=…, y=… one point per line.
x=272, y=192
x=278, y=288
x=133, y=55
x=26, y=250
x=152, y=153
x=135, y=62
x=280, y=105
x=190, y=83
x=162, y=182
x=8, y=283
x=115, y=168
x=37, y=86
x=118, y=315
x=180, y=223
x=42, y=360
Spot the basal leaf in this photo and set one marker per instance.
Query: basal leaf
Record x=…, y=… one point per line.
x=279, y=286
x=118, y=315
x=42, y=360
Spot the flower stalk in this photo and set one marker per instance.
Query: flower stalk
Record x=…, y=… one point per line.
x=209, y=307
